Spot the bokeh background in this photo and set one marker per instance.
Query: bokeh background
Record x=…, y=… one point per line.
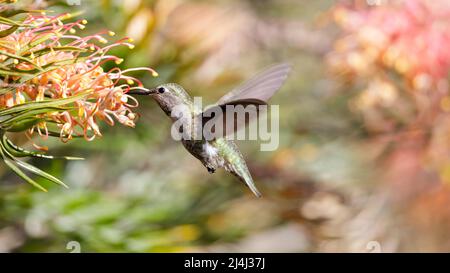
x=364, y=157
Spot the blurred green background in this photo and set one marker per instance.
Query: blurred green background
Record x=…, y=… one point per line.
x=332, y=186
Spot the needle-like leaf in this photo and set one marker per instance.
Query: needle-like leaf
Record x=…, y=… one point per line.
x=19, y=172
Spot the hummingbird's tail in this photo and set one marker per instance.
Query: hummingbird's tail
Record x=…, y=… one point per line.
x=241, y=171
x=235, y=163
x=249, y=182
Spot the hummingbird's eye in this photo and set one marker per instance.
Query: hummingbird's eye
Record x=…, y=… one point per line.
x=161, y=90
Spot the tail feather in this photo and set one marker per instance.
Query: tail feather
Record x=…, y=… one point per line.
x=234, y=163
x=244, y=176
x=251, y=185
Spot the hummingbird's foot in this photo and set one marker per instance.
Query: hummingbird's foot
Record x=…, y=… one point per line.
x=211, y=170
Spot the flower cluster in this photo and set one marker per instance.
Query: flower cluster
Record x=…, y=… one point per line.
x=408, y=38
x=52, y=83
x=396, y=56
x=46, y=60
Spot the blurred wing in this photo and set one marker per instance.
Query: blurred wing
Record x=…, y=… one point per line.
x=255, y=92
x=243, y=112
x=261, y=87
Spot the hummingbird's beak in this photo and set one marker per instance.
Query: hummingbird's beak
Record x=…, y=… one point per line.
x=142, y=91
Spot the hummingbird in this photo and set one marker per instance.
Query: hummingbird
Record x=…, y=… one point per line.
x=219, y=152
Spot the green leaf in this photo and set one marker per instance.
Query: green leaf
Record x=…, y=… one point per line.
x=11, y=12
x=36, y=42
x=8, y=31
x=9, y=22
x=49, y=67
x=20, y=152
x=46, y=50
x=42, y=104
x=19, y=172
x=18, y=57
x=21, y=125
x=5, y=90
x=5, y=72
x=40, y=173
x=7, y=156
x=27, y=114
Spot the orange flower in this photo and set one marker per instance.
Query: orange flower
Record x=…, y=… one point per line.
x=76, y=69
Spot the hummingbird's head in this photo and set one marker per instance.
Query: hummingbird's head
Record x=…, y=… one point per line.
x=169, y=95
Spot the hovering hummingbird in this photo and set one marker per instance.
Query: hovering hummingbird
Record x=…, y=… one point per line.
x=219, y=152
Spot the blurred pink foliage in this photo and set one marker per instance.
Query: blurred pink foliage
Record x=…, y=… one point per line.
x=396, y=55
x=410, y=36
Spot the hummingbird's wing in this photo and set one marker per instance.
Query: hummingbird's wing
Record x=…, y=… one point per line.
x=261, y=87
x=251, y=94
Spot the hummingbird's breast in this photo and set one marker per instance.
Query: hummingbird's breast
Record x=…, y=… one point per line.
x=206, y=152
x=209, y=150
